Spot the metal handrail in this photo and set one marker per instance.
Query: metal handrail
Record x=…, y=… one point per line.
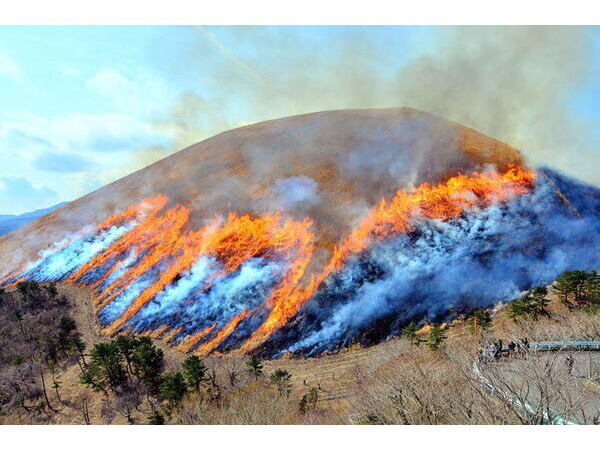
x=530, y=405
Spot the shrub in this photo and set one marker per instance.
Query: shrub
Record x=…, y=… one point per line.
x=410, y=333
x=17, y=360
x=281, y=379
x=309, y=400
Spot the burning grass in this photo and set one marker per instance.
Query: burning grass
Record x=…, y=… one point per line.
x=241, y=278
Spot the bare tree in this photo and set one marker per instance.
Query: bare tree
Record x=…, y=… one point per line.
x=81, y=405
x=126, y=402
x=539, y=387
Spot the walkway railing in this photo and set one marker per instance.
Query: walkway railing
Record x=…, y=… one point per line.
x=565, y=345
x=528, y=405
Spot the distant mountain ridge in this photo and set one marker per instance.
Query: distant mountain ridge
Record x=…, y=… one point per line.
x=12, y=222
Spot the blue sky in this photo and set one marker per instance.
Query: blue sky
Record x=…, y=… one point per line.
x=82, y=106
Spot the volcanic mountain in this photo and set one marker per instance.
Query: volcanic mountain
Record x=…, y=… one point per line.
x=312, y=232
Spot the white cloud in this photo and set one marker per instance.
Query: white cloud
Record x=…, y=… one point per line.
x=19, y=195
x=107, y=132
x=76, y=133
x=143, y=94
x=61, y=162
x=9, y=67
x=87, y=151
x=69, y=71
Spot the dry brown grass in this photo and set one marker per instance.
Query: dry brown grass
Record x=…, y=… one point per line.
x=430, y=389
x=254, y=404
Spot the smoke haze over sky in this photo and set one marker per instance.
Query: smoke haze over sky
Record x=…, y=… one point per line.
x=83, y=106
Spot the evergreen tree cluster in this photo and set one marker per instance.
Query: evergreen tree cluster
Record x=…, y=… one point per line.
x=530, y=305
x=129, y=367
x=578, y=288
x=480, y=321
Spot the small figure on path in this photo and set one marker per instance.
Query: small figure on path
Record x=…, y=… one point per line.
x=511, y=348
x=498, y=349
x=569, y=362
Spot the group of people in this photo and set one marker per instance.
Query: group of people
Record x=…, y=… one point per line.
x=498, y=349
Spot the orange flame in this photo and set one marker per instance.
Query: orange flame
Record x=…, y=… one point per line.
x=146, y=208
x=443, y=201
x=161, y=240
x=190, y=341
x=293, y=239
x=223, y=334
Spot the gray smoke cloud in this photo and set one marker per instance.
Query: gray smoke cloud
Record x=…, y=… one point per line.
x=513, y=83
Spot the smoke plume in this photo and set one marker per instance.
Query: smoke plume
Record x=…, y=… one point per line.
x=516, y=84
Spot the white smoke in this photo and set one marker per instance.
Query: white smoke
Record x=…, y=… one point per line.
x=488, y=256
x=295, y=193
x=61, y=259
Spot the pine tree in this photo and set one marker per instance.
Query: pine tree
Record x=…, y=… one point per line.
x=194, y=371
x=92, y=376
x=80, y=347
x=530, y=305
x=436, y=337
x=578, y=288
x=107, y=365
x=540, y=300
x=570, y=285
x=410, y=333
x=65, y=340
x=126, y=346
x=593, y=289
x=254, y=366
x=156, y=418
x=173, y=388
x=480, y=321
x=148, y=363
x=281, y=379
